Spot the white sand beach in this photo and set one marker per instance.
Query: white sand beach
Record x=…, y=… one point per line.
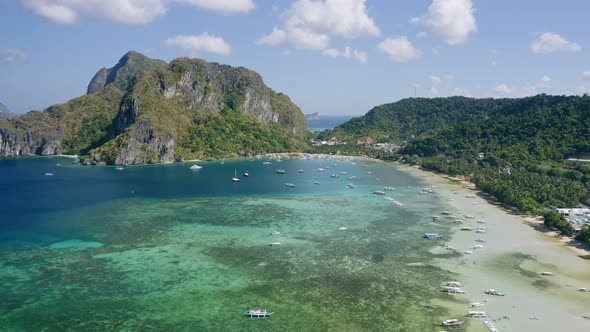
x=512, y=259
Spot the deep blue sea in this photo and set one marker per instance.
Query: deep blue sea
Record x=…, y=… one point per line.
x=166, y=248
x=327, y=122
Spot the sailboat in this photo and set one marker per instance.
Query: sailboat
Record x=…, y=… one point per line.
x=235, y=178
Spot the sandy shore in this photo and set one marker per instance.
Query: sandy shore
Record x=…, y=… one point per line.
x=512, y=259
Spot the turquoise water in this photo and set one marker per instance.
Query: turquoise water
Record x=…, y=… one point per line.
x=164, y=248
x=327, y=122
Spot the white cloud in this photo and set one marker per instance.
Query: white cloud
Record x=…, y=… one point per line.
x=347, y=53
x=435, y=80
x=202, y=42
x=586, y=74
x=546, y=79
x=399, y=49
x=449, y=20
x=503, y=89
x=125, y=11
x=549, y=42
x=460, y=92
x=309, y=24
x=224, y=6
x=12, y=56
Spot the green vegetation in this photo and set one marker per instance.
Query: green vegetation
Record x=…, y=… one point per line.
x=513, y=149
x=146, y=111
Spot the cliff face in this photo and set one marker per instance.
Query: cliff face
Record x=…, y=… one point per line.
x=141, y=110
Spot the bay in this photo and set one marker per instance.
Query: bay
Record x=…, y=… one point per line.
x=164, y=247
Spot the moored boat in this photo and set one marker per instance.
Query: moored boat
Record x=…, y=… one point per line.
x=258, y=313
x=431, y=236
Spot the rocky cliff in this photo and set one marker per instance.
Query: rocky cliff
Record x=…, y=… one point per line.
x=147, y=111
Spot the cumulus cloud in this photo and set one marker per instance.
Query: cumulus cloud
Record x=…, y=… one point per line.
x=125, y=11
x=12, y=56
x=549, y=42
x=203, y=42
x=449, y=20
x=224, y=6
x=309, y=24
x=503, y=89
x=399, y=49
x=347, y=53
x=586, y=74
x=460, y=92
x=546, y=79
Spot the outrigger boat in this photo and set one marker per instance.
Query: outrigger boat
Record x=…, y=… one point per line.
x=432, y=236
x=453, y=324
x=258, y=313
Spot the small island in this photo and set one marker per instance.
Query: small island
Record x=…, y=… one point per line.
x=312, y=116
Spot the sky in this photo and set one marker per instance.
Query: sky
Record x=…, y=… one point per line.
x=335, y=57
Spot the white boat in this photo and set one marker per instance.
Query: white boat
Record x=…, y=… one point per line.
x=431, y=236
x=258, y=313
x=290, y=185
x=266, y=163
x=452, y=290
x=466, y=228
x=583, y=289
x=477, y=246
x=235, y=178
x=490, y=326
x=389, y=188
x=335, y=176
x=453, y=284
x=280, y=171
x=275, y=233
x=545, y=273
x=316, y=182
x=48, y=174
x=476, y=314
x=320, y=169
x=476, y=304
x=481, y=230
x=379, y=192
x=301, y=171
x=195, y=166
x=350, y=185
x=452, y=323
x=494, y=292
x=480, y=240
x=246, y=174
x=342, y=228
x=119, y=168
x=276, y=244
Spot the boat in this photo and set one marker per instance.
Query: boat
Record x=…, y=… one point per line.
x=290, y=185
x=452, y=290
x=301, y=171
x=276, y=244
x=435, y=218
x=453, y=284
x=494, y=292
x=481, y=230
x=343, y=173
x=316, y=182
x=468, y=252
x=476, y=304
x=342, y=228
x=477, y=246
x=476, y=314
x=335, y=176
x=352, y=177
x=280, y=171
x=320, y=169
x=545, y=273
x=445, y=213
x=480, y=240
x=275, y=233
x=429, y=306
x=266, y=163
x=432, y=236
x=583, y=289
x=389, y=188
x=351, y=186
x=48, y=174
x=258, y=313
x=195, y=166
x=379, y=192
x=235, y=178
x=452, y=323
x=465, y=228
x=490, y=326
x=119, y=168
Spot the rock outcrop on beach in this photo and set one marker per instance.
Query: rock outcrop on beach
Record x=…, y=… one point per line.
x=148, y=111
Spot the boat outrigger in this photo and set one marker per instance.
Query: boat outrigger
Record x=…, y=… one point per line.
x=258, y=313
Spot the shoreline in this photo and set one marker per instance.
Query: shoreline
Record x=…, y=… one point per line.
x=512, y=259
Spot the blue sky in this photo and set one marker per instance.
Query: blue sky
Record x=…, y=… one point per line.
x=329, y=56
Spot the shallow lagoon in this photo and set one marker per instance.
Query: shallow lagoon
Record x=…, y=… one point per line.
x=162, y=247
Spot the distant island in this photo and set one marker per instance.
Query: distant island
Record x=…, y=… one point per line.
x=5, y=112
x=145, y=110
x=312, y=116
